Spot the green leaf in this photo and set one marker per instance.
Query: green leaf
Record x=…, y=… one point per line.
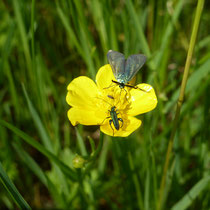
x=66, y=170
x=40, y=127
x=187, y=200
x=193, y=83
x=33, y=166
x=13, y=190
x=138, y=27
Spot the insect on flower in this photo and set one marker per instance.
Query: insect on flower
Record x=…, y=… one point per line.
x=110, y=108
x=115, y=120
x=110, y=96
x=123, y=69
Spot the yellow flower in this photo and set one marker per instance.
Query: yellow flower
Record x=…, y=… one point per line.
x=94, y=103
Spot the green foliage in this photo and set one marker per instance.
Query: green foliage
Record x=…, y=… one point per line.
x=12, y=189
x=43, y=46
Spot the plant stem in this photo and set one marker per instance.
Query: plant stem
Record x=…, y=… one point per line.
x=136, y=182
x=181, y=98
x=99, y=148
x=94, y=154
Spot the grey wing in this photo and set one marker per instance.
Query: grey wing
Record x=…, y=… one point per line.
x=133, y=64
x=117, y=62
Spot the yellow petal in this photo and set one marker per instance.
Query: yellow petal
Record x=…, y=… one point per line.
x=82, y=92
x=128, y=127
x=104, y=77
x=142, y=101
x=84, y=116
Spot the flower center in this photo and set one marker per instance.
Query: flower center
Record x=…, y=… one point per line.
x=113, y=103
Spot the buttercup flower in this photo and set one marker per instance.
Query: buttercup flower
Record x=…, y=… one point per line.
x=104, y=103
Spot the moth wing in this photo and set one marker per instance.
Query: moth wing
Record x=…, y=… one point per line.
x=133, y=64
x=117, y=62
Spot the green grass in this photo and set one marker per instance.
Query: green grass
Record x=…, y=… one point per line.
x=43, y=46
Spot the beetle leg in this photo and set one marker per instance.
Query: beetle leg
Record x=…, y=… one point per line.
x=121, y=120
x=110, y=123
x=104, y=120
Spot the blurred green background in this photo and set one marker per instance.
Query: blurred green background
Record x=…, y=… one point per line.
x=43, y=46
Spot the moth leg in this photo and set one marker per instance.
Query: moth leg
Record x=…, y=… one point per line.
x=142, y=89
x=131, y=86
x=136, y=87
x=126, y=93
x=119, y=97
x=111, y=85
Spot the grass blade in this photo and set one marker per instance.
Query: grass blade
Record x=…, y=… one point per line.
x=13, y=190
x=36, y=169
x=138, y=25
x=66, y=170
x=168, y=33
x=187, y=200
x=193, y=83
x=40, y=127
x=196, y=22
x=23, y=36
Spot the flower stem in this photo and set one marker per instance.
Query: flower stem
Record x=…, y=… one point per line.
x=94, y=154
x=99, y=148
x=180, y=100
x=136, y=182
